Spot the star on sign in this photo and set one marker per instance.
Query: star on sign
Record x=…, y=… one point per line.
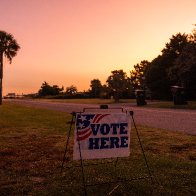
x=80, y=125
x=83, y=118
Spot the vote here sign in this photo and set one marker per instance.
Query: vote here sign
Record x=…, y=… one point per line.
x=102, y=135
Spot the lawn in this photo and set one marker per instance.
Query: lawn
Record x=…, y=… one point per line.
x=170, y=105
x=32, y=145
x=152, y=104
x=90, y=101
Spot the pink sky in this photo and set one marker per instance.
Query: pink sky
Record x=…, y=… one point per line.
x=71, y=42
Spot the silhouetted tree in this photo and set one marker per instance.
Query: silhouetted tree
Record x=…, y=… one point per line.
x=138, y=75
x=46, y=90
x=192, y=36
x=175, y=46
x=71, y=90
x=159, y=76
x=96, y=87
x=157, y=80
x=184, y=69
x=105, y=92
x=8, y=49
x=128, y=91
x=117, y=83
x=171, y=52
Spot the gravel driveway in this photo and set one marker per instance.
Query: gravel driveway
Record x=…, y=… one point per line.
x=170, y=119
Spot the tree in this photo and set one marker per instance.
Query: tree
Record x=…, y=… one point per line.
x=71, y=90
x=185, y=69
x=176, y=45
x=160, y=75
x=105, y=92
x=46, y=90
x=96, y=88
x=8, y=49
x=128, y=91
x=138, y=75
x=56, y=90
x=192, y=36
x=157, y=80
x=117, y=83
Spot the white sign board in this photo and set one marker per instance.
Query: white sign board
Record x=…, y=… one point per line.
x=101, y=135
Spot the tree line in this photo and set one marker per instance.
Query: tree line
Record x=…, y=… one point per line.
x=175, y=66
x=117, y=86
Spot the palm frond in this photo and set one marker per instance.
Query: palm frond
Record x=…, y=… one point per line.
x=8, y=45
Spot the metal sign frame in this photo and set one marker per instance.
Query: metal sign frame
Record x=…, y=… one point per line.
x=85, y=185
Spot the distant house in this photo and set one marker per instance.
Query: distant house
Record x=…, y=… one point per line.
x=12, y=96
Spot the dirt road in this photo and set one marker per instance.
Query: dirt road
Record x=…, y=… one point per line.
x=174, y=120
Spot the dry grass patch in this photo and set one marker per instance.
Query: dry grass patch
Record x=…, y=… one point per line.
x=175, y=144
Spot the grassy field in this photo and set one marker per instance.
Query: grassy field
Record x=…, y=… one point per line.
x=170, y=105
x=89, y=101
x=152, y=104
x=32, y=145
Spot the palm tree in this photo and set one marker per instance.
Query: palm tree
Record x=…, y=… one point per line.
x=8, y=49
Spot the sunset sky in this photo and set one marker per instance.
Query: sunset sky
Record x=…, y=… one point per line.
x=71, y=42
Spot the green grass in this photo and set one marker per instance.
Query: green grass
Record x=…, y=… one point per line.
x=151, y=104
x=170, y=105
x=89, y=101
x=32, y=145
